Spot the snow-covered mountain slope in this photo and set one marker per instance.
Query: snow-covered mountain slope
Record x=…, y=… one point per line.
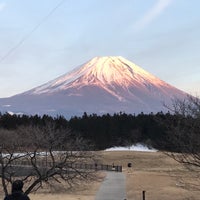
x=104, y=72
x=102, y=85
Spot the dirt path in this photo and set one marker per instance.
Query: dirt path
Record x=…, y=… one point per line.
x=113, y=187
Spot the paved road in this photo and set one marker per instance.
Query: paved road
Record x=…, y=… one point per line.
x=113, y=187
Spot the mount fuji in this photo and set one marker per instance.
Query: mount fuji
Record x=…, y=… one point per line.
x=102, y=85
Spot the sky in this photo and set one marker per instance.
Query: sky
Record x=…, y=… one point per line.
x=41, y=40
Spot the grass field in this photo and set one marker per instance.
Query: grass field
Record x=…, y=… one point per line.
x=161, y=177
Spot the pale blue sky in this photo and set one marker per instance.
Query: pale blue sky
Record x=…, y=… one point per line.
x=43, y=39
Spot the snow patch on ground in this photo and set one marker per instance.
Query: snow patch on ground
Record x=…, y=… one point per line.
x=136, y=147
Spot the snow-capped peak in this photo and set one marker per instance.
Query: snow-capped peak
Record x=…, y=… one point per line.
x=117, y=69
x=100, y=71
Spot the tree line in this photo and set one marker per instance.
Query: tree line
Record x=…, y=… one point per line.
x=164, y=131
x=104, y=131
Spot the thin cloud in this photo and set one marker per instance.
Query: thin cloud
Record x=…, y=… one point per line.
x=2, y=6
x=152, y=14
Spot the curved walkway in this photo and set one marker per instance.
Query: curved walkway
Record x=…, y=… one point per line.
x=113, y=187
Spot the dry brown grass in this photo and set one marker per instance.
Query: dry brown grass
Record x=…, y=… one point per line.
x=161, y=177
x=155, y=173
x=81, y=192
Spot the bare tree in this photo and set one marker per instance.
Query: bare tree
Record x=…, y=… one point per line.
x=7, y=156
x=183, y=132
x=43, y=155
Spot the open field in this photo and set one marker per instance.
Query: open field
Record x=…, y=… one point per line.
x=83, y=192
x=155, y=173
x=161, y=177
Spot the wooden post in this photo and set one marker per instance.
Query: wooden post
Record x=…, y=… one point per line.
x=143, y=195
